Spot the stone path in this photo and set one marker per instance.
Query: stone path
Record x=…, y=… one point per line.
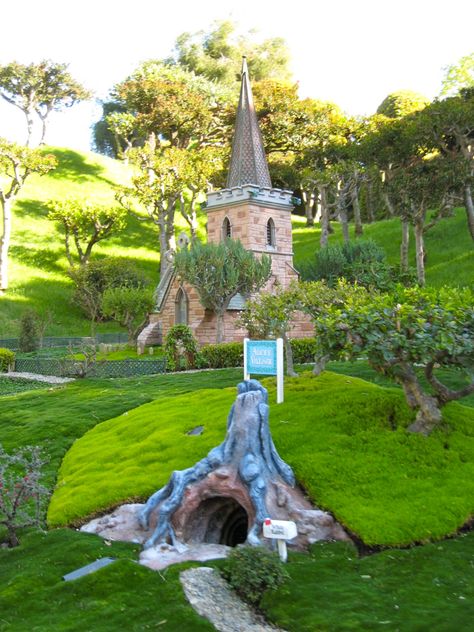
x=48, y=379
x=211, y=597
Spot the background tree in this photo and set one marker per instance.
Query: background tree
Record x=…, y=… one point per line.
x=219, y=272
x=272, y=315
x=84, y=225
x=458, y=76
x=16, y=164
x=129, y=306
x=401, y=103
x=217, y=54
x=398, y=332
x=40, y=89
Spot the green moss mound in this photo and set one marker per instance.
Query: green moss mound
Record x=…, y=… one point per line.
x=345, y=438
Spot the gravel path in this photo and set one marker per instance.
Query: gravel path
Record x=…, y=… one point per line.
x=49, y=379
x=211, y=597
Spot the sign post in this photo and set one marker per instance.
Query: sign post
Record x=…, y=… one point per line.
x=265, y=357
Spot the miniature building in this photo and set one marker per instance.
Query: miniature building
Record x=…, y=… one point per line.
x=248, y=209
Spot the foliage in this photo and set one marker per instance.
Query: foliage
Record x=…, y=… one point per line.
x=22, y=496
x=28, y=340
x=84, y=225
x=41, y=89
x=458, y=76
x=180, y=343
x=11, y=386
x=7, y=358
x=304, y=350
x=92, y=280
x=398, y=331
x=401, y=103
x=129, y=306
x=361, y=261
x=217, y=54
x=252, y=571
x=219, y=272
x=355, y=459
x=221, y=356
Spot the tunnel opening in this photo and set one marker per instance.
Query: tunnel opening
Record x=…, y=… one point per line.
x=218, y=520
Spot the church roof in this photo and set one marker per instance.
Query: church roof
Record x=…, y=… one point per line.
x=248, y=163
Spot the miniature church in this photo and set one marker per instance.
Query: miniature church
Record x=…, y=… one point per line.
x=248, y=209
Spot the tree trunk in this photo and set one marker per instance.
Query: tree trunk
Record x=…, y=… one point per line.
x=29, y=126
x=420, y=252
x=469, y=209
x=220, y=327
x=370, y=202
x=324, y=218
x=5, y=241
x=308, y=200
x=388, y=204
x=320, y=364
x=356, y=207
x=404, y=245
x=429, y=413
x=289, y=357
x=344, y=222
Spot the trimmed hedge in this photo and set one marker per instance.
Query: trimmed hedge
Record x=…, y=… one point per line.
x=221, y=356
x=304, y=350
x=7, y=358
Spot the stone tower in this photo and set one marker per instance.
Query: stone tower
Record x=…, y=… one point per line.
x=249, y=209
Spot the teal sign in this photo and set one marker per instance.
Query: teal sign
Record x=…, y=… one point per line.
x=261, y=357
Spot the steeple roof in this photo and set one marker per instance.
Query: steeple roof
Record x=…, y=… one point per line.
x=248, y=163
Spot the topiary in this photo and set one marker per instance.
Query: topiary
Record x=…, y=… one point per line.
x=28, y=340
x=251, y=571
x=180, y=344
x=7, y=358
x=222, y=356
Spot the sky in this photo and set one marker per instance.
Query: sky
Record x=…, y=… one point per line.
x=351, y=52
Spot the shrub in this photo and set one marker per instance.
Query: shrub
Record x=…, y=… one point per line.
x=222, y=356
x=361, y=261
x=22, y=497
x=180, y=348
x=251, y=571
x=92, y=280
x=304, y=350
x=28, y=340
x=7, y=358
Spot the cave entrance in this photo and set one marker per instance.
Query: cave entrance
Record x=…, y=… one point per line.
x=218, y=520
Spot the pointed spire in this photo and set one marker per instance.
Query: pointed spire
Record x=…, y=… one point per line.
x=248, y=163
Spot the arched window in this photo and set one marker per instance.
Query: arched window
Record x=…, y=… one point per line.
x=181, y=308
x=226, y=229
x=271, y=233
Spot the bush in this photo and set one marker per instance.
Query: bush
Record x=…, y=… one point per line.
x=251, y=571
x=222, y=356
x=304, y=350
x=92, y=280
x=22, y=496
x=7, y=358
x=28, y=340
x=180, y=348
x=361, y=261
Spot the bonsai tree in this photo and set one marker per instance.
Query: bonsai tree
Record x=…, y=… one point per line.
x=219, y=272
x=398, y=332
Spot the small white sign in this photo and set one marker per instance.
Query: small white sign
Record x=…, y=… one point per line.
x=279, y=529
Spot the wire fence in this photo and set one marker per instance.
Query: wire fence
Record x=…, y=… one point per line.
x=60, y=367
x=49, y=342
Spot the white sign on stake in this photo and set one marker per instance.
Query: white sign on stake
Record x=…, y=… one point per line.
x=265, y=357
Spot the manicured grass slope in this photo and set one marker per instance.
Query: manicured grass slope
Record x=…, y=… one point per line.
x=38, y=264
x=121, y=596
x=345, y=438
x=449, y=248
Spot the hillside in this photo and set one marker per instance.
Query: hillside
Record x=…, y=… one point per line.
x=38, y=266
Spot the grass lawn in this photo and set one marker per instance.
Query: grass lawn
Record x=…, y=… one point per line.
x=332, y=589
x=404, y=487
